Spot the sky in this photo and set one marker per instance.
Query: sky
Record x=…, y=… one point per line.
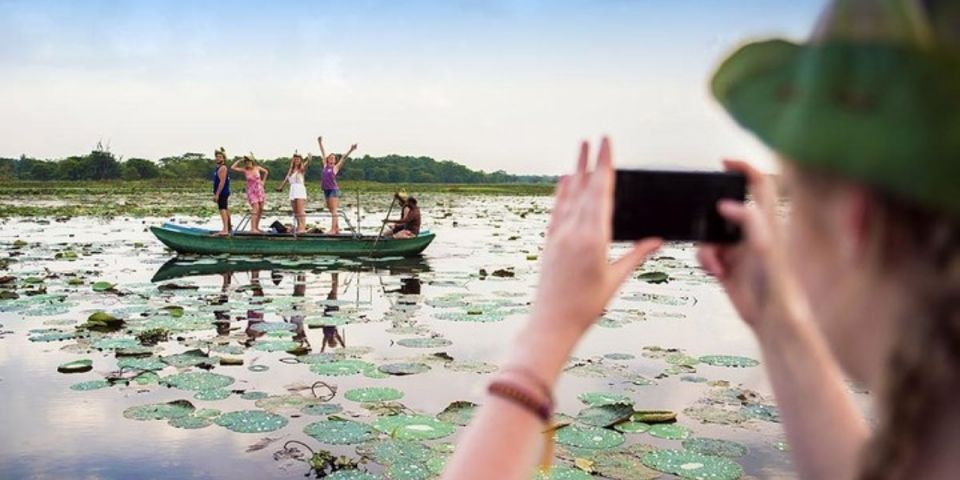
x=511, y=85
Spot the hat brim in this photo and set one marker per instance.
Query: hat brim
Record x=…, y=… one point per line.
x=879, y=114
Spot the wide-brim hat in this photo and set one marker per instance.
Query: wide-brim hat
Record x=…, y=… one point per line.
x=874, y=96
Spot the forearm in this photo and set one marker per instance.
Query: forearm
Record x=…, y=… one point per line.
x=504, y=430
x=813, y=398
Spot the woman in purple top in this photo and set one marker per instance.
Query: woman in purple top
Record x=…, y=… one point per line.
x=331, y=192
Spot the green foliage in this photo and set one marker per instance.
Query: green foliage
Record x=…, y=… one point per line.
x=101, y=164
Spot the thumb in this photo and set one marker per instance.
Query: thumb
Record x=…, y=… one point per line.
x=625, y=265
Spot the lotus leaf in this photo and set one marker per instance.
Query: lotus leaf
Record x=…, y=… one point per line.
x=632, y=427
x=619, y=356
x=605, y=415
x=373, y=394
x=729, y=361
x=76, y=366
x=341, y=367
x=197, y=381
x=622, y=465
x=254, y=395
x=691, y=465
x=405, y=368
x=599, y=399
x=351, y=475
x=251, y=421
x=102, y=286
x=767, y=413
x=212, y=394
x=471, y=366
x=274, y=345
x=563, y=473
x=336, y=431
x=458, y=413
x=422, y=342
x=290, y=403
x=669, y=431
x=715, y=414
x=321, y=409
x=715, y=446
x=190, y=422
x=149, y=363
x=413, y=427
x=588, y=437
x=91, y=385
x=160, y=411
x=653, y=416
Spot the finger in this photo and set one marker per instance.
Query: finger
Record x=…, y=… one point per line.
x=625, y=265
x=732, y=211
x=761, y=186
x=560, y=204
x=582, y=160
x=709, y=258
x=602, y=184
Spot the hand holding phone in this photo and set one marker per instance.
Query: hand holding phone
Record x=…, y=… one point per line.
x=675, y=205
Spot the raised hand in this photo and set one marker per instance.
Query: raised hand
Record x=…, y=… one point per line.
x=353, y=147
x=576, y=279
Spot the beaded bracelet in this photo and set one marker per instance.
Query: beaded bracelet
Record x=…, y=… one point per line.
x=522, y=397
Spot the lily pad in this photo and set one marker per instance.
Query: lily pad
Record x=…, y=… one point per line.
x=691, y=465
x=351, y=475
x=458, y=413
x=588, y=437
x=159, y=411
x=632, y=427
x=599, y=399
x=212, y=394
x=715, y=446
x=290, y=403
x=341, y=367
x=471, y=366
x=337, y=431
x=564, y=472
x=190, y=358
x=102, y=286
x=413, y=427
x=605, y=415
x=619, y=356
x=729, y=361
x=91, y=385
x=373, y=394
x=654, y=277
x=767, y=413
x=653, y=416
x=251, y=421
x=76, y=366
x=190, y=422
x=406, y=368
x=622, y=465
x=387, y=451
x=197, y=381
x=669, y=431
x=424, y=342
x=148, y=363
x=320, y=409
x=254, y=395
x=274, y=345
x=715, y=414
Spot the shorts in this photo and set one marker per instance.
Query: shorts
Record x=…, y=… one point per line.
x=329, y=193
x=222, y=201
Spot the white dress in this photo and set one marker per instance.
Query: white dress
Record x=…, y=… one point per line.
x=297, y=189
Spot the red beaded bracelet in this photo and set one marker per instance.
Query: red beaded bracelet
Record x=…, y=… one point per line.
x=522, y=397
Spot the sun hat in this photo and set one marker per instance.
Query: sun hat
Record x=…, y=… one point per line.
x=873, y=96
x=221, y=151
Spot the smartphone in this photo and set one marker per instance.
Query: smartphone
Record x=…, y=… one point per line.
x=675, y=205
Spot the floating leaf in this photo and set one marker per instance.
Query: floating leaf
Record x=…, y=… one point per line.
x=413, y=427
x=632, y=427
x=588, y=437
x=290, y=403
x=653, y=416
x=421, y=342
x=254, y=395
x=197, y=381
x=159, y=411
x=76, y=366
x=715, y=446
x=767, y=413
x=458, y=413
x=605, y=415
x=251, y=421
x=563, y=473
x=691, y=465
x=654, y=277
x=212, y=394
x=669, y=431
x=149, y=364
x=622, y=465
x=351, y=475
x=336, y=431
x=404, y=368
x=190, y=422
x=91, y=385
x=274, y=345
x=373, y=394
x=599, y=399
x=729, y=361
x=321, y=409
x=341, y=367
x=102, y=286
x=619, y=356
x=715, y=414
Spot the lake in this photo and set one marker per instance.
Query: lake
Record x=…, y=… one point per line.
x=191, y=375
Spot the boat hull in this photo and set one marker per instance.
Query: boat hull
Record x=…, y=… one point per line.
x=184, y=239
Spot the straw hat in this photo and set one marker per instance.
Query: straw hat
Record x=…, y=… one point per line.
x=873, y=96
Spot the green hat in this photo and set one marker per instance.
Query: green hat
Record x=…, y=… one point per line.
x=874, y=96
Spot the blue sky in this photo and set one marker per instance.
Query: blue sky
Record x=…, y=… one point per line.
x=496, y=85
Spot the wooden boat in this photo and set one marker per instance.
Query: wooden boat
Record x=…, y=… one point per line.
x=184, y=239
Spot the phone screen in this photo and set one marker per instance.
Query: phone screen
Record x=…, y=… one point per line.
x=675, y=205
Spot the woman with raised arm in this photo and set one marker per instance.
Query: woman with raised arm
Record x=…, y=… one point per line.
x=864, y=283
x=331, y=191
x=296, y=175
x=256, y=177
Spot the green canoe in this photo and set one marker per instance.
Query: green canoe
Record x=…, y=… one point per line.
x=185, y=239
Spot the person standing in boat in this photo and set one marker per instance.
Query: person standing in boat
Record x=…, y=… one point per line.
x=256, y=177
x=331, y=191
x=221, y=189
x=298, y=189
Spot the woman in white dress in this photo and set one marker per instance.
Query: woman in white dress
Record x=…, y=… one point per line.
x=298, y=189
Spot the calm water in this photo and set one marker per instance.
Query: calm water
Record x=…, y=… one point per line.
x=52, y=431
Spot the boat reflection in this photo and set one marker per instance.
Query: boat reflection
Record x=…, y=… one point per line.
x=187, y=266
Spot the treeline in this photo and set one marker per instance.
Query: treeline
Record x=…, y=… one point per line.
x=101, y=164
